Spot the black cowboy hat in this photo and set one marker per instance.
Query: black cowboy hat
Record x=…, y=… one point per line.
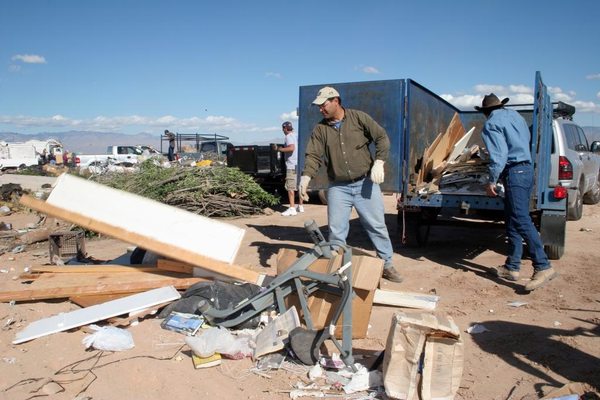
x=491, y=101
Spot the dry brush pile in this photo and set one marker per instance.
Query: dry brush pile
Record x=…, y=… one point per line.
x=213, y=191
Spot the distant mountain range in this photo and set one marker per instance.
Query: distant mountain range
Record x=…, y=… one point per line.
x=88, y=142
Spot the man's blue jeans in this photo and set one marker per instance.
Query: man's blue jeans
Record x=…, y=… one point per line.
x=366, y=198
x=518, y=182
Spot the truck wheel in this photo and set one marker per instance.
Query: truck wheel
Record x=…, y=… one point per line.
x=593, y=196
x=554, y=252
x=412, y=231
x=137, y=256
x=323, y=196
x=575, y=213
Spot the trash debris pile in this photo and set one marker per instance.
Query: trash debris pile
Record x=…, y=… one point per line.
x=212, y=191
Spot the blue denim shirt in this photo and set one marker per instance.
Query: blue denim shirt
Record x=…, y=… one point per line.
x=506, y=137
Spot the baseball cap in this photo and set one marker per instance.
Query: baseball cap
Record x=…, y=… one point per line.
x=324, y=94
x=287, y=125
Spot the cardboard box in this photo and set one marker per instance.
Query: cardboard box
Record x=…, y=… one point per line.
x=410, y=336
x=366, y=272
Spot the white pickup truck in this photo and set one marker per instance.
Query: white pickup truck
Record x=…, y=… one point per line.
x=120, y=154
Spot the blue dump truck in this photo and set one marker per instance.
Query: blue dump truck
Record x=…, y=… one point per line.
x=437, y=162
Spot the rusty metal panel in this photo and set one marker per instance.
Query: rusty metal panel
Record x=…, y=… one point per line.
x=382, y=100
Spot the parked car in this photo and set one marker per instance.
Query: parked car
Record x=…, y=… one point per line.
x=575, y=166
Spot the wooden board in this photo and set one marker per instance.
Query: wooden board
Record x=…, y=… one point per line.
x=56, y=286
x=84, y=316
x=441, y=148
x=93, y=268
x=175, y=266
x=405, y=299
x=170, y=250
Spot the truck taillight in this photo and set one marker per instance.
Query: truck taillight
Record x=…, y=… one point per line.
x=560, y=192
x=565, y=169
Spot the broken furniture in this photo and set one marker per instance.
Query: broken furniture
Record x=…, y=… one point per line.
x=162, y=229
x=66, y=244
x=301, y=282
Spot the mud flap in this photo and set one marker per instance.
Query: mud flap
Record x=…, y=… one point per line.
x=553, y=226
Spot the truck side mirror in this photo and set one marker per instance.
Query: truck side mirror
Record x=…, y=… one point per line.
x=595, y=147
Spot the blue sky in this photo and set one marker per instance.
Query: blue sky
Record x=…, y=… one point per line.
x=234, y=67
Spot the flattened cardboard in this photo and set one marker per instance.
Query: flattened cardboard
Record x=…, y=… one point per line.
x=366, y=271
x=411, y=335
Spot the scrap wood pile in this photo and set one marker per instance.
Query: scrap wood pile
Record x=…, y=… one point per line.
x=213, y=191
x=449, y=166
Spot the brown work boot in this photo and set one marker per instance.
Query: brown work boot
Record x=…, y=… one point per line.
x=505, y=273
x=392, y=275
x=540, y=278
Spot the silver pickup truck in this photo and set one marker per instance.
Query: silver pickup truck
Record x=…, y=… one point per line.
x=575, y=162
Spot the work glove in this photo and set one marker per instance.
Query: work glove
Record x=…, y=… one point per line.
x=304, y=180
x=377, y=173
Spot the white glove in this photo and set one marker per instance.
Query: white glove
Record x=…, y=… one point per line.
x=304, y=180
x=377, y=173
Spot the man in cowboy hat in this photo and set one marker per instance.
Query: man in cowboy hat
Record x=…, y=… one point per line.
x=342, y=137
x=506, y=136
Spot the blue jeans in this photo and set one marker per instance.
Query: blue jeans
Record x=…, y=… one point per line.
x=518, y=182
x=366, y=198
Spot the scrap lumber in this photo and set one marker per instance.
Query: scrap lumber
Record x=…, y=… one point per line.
x=441, y=148
x=95, y=268
x=93, y=299
x=165, y=230
x=174, y=266
x=84, y=316
x=56, y=286
x=405, y=299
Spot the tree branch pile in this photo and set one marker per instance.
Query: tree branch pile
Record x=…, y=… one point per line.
x=214, y=191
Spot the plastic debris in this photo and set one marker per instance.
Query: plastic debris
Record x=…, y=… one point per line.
x=315, y=372
x=517, y=303
x=109, y=338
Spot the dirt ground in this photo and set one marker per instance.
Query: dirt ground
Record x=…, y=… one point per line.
x=528, y=351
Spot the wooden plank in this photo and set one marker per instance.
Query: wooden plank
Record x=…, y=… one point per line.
x=405, y=299
x=84, y=316
x=93, y=268
x=146, y=242
x=441, y=148
x=91, y=300
x=46, y=288
x=175, y=266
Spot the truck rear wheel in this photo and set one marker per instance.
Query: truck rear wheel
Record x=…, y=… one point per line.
x=413, y=232
x=323, y=196
x=554, y=252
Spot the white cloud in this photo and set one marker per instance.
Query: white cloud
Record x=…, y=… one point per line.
x=370, y=70
x=598, y=95
x=29, y=58
x=593, y=76
x=213, y=123
x=289, y=116
x=487, y=89
x=275, y=75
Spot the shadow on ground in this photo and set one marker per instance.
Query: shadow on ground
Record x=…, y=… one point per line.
x=526, y=347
